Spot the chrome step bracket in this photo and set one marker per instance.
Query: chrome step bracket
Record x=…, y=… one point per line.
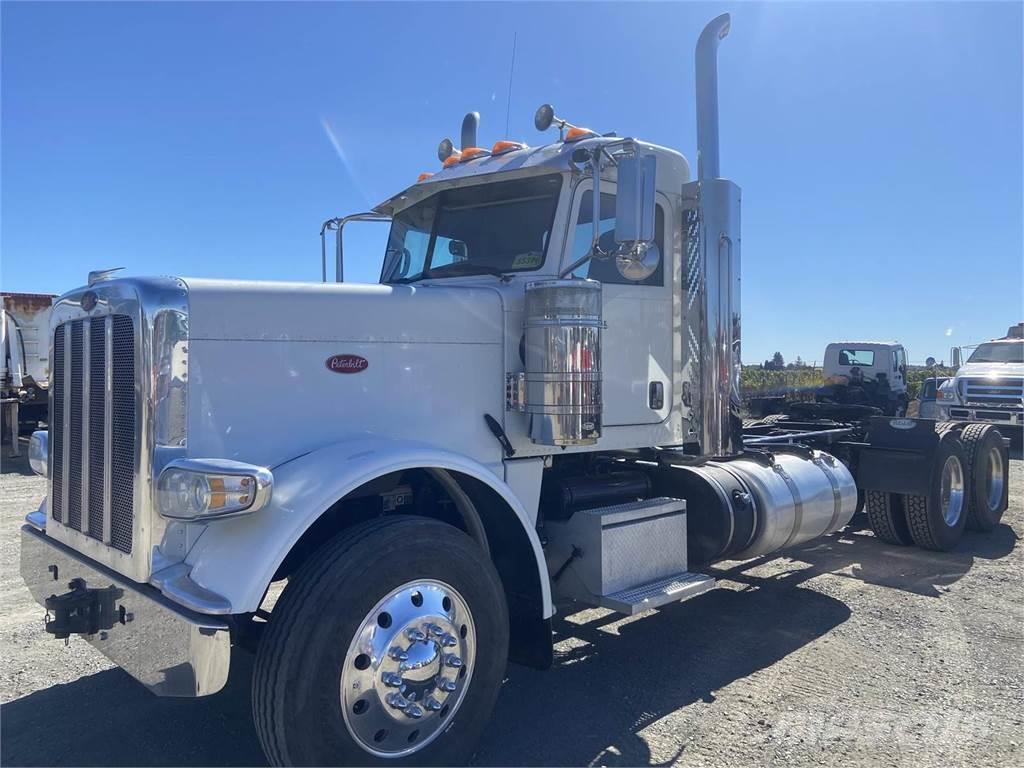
x=672, y=589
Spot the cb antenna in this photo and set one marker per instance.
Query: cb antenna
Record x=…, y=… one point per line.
x=511, y=71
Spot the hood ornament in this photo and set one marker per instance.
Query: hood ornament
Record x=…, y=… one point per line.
x=98, y=275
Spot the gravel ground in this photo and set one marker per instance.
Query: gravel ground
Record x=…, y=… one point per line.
x=843, y=652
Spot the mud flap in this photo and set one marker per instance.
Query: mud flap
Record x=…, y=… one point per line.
x=898, y=455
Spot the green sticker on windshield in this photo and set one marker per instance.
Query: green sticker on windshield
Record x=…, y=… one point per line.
x=527, y=260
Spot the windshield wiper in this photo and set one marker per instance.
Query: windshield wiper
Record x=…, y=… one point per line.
x=463, y=268
x=457, y=268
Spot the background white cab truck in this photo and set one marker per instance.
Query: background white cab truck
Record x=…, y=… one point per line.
x=989, y=387
x=872, y=373
x=537, y=405
x=24, y=368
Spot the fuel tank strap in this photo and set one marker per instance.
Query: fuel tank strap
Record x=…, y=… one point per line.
x=836, y=494
x=798, y=504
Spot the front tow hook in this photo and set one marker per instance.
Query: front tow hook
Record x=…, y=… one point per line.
x=82, y=611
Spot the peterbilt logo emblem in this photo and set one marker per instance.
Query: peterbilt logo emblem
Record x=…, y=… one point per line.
x=902, y=423
x=347, y=364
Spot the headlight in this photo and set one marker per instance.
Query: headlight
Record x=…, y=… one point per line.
x=39, y=452
x=197, y=489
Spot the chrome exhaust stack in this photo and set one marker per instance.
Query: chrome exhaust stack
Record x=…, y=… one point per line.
x=712, y=207
x=706, y=60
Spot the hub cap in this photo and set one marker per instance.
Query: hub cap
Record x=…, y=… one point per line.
x=408, y=668
x=952, y=490
x=994, y=484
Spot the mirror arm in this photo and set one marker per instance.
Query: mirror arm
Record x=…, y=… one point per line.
x=595, y=238
x=576, y=264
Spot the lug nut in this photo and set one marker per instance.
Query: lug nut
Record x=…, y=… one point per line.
x=396, y=701
x=397, y=653
x=392, y=680
x=448, y=641
x=433, y=629
x=432, y=704
x=413, y=711
x=452, y=661
x=446, y=685
x=415, y=635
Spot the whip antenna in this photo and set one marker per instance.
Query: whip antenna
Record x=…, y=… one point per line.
x=511, y=71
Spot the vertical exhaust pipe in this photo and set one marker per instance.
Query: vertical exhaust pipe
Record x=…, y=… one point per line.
x=713, y=247
x=706, y=67
x=470, y=124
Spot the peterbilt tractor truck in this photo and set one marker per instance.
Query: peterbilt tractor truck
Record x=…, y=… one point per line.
x=536, y=406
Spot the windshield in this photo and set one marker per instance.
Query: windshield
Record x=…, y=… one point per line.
x=865, y=357
x=996, y=352
x=484, y=229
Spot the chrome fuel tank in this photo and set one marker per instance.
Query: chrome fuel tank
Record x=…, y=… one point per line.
x=760, y=503
x=796, y=498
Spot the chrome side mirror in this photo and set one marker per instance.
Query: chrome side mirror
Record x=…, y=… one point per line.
x=954, y=357
x=636, y=256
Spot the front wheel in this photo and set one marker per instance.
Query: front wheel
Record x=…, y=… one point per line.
x=388, y=646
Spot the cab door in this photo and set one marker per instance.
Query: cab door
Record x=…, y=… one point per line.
x=636, y=355
x=899, y=375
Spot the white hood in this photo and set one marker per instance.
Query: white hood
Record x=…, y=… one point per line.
x=991, y=370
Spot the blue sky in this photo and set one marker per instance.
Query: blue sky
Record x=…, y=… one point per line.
x=879, y=146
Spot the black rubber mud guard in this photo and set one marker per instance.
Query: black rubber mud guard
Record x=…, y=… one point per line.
x=898, y=457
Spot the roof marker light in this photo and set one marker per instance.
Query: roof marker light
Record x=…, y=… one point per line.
x=471, y=153
x=576, y=133
x=501, y=147
x=423, y=177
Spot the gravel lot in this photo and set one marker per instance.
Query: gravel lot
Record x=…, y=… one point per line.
x=842, y=652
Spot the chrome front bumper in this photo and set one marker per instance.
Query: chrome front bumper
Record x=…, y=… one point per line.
x=999, y=416
x=170, y=650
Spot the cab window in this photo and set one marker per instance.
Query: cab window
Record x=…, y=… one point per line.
x=604, y=270
x=861, y=357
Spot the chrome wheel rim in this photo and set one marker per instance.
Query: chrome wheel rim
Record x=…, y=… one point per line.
x=994, y=479
x=408, y=668
x=952, y=490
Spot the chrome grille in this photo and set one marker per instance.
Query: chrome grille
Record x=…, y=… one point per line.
x=57, y=432
x=74, y=468
x=1003, y=392
x=97, y=424
x=122, y=489
x=92, y=428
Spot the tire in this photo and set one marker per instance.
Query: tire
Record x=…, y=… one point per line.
x=987, y=472
x=930, y=525
x=887, y=517
x=310, y=665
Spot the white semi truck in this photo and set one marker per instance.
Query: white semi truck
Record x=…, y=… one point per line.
x=536, y=405
x=989, y=387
